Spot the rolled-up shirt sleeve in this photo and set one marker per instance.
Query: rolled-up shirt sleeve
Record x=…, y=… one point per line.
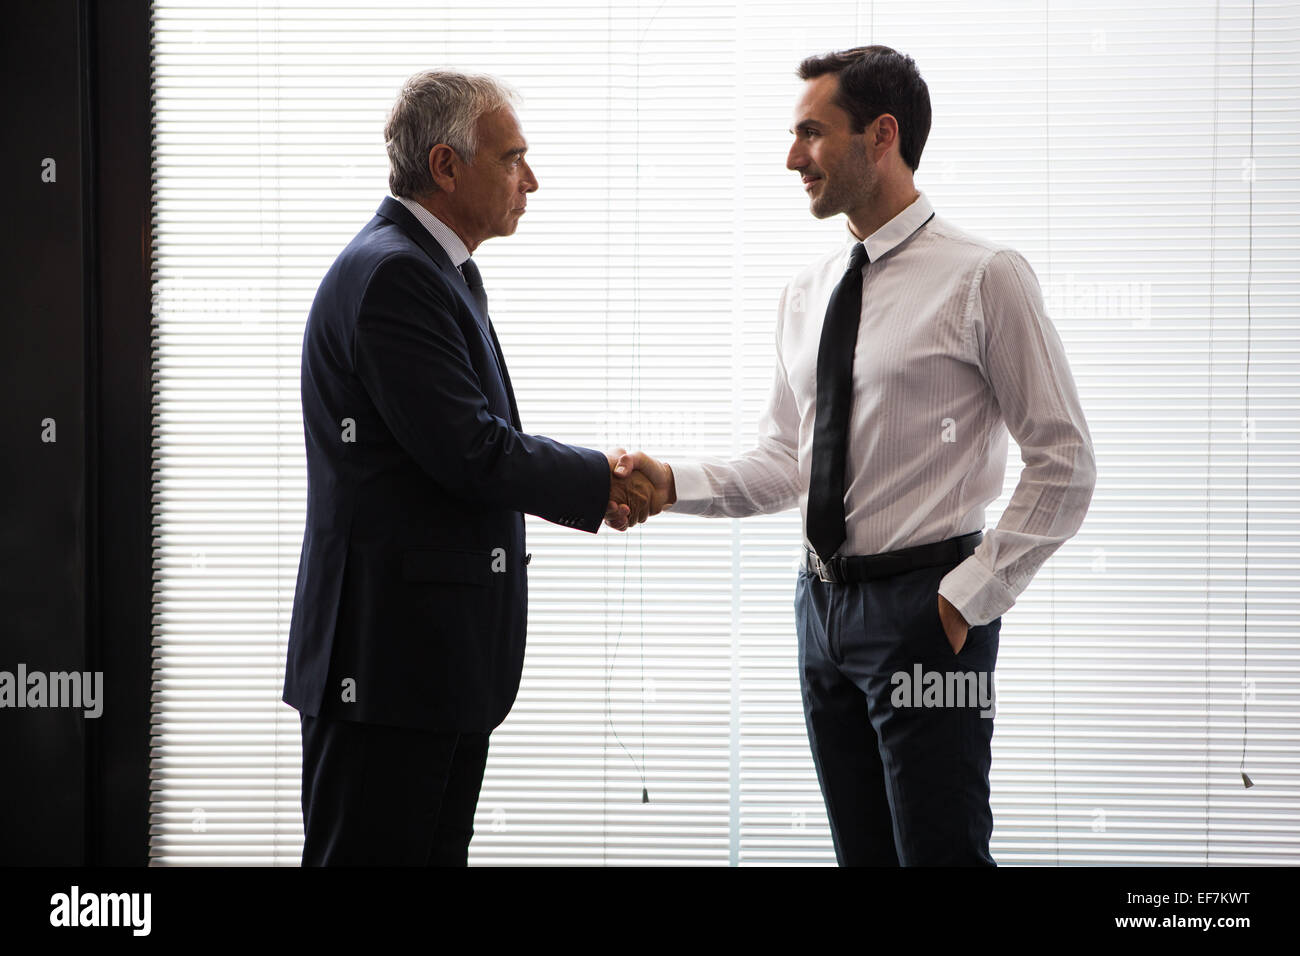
x=1023, y=360
x=760, y=481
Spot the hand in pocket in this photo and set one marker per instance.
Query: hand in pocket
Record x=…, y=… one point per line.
x=954, y=625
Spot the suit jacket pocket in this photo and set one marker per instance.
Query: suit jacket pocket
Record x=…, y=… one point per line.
x=449, y=567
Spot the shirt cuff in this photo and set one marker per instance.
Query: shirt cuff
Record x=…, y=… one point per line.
x=694, y=496
x=974, y=591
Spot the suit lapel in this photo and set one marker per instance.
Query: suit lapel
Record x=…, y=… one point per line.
x=501, y=364
x=395, y=212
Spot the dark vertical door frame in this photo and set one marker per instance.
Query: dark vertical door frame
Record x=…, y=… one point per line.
x=117, y=150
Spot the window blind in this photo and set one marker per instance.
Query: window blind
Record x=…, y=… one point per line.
x=1144, y=159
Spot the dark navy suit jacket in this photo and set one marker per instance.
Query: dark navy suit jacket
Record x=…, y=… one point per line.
x=412, y=582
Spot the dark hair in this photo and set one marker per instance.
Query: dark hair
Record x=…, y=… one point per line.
x=875, y=80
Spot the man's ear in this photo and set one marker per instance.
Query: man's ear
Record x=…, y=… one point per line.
x=443, y=167
x=882, y=134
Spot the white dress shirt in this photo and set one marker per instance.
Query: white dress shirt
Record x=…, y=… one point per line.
x=444, y=234
x=954, y=349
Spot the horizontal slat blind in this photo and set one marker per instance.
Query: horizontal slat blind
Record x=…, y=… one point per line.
x=1123, y=149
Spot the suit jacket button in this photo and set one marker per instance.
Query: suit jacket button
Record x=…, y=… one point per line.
x=528, y=559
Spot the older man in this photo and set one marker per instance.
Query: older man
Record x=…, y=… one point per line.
x=407, y=637
x=904, y=356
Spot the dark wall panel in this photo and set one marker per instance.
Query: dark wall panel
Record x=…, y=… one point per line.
x=120, y=575
x=74, y=367
x=42, y=377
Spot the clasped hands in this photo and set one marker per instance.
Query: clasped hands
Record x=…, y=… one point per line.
x=639, y=488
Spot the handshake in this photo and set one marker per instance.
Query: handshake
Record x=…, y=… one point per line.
x=639, y=487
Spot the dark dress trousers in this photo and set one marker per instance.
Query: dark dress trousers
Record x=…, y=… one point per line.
x=410, y=608
x=905, y=780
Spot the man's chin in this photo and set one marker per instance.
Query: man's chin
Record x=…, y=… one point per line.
x=822, y=210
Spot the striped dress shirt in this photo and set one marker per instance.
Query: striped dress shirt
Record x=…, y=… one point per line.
x=954, y=350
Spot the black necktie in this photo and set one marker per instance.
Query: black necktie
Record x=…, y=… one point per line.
x=474, y=279
x=826, y=530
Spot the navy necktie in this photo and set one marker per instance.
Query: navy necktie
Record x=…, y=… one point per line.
x=474, y=280
x=826, y=531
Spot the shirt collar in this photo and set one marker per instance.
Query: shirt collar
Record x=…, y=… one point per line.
x=897, y=229
x=440, y=231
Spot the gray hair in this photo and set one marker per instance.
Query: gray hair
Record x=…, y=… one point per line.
x=437, y=106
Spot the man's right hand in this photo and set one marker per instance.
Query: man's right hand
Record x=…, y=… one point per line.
x=631, y=493
x=650, y=477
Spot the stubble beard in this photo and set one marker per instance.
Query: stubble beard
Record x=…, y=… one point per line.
x=852, y=187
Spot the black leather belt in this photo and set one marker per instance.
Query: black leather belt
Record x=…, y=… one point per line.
x=854, y=569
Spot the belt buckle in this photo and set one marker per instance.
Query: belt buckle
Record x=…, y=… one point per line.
x=823, y=569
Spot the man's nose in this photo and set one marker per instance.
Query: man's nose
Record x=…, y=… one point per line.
x=795, y=158
x=529, y=184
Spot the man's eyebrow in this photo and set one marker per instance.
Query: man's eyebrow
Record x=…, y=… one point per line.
x=517, y=151
x=803, y=125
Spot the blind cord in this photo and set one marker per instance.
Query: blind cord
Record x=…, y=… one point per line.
x=635, y=409
x=1249, y=423
x=1051, y=644
x=1209, y=427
